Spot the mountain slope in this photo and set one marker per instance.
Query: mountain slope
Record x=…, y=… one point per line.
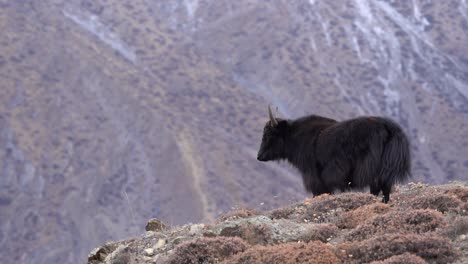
x=113, y=112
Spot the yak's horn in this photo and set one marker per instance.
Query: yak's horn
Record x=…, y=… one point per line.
x=272, y=118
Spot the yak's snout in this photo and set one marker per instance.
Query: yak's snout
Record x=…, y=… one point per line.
x=261, y=157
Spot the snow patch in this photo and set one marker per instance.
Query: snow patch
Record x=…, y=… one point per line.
x=416, y=11
x=364, y=10
x=354, y=42
x=403, y=23
x=422, y=139
x=356, y=47
x=312, y=43
x=325, y=31
x=104, y=33
x=191, y=6
x=419, y=18
x=463, y=9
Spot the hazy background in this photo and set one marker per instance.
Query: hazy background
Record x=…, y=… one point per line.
x=113, y=112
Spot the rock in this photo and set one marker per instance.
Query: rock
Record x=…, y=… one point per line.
x=120, y=256
x=99, y=254
x=149, y=251
x=177, y=240
x=149, y=234
x=196, y=229
x=149, y=259
x=161, y=243
x=155, y=224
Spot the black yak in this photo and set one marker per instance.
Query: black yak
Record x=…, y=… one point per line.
x=332, y=155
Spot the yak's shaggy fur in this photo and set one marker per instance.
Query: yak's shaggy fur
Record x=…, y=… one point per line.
x=360, y=152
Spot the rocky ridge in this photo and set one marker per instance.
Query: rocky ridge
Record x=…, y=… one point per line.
x=422, y=224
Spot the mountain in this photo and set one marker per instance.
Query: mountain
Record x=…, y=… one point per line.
x=114, y=112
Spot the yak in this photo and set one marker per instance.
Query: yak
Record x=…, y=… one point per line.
x=367, y=151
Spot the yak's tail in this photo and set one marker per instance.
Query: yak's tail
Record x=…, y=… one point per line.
x=396, y=157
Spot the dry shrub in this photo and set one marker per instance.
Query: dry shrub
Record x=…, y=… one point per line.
x=207, y=250
x=253, y=234
x=430, y=248
x=237, y=214
x=288, y=253
x=414, y=221
x=358, y=216
x=406, y=258
x=459, y=192
x=464, y=209
x=440, y=202
x=458, y=226
x=281, y=213
x=320, y=232
x=155, y=224
x=326, y=207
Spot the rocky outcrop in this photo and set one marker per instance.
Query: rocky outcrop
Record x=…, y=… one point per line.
x=342, y=228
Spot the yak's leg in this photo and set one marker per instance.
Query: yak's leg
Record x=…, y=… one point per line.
x=319, y=188
x=386, y=188
x=375, y=189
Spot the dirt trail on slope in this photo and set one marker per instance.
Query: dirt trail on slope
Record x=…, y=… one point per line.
x=195, y=169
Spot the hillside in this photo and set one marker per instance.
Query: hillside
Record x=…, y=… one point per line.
x=114, y=112
x=423, y=224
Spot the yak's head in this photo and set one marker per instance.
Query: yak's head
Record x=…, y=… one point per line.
x=273, y=140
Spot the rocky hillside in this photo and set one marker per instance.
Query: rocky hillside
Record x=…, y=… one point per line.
x=422, y=224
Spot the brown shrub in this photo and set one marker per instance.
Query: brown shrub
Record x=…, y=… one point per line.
x=237, y=214
x=155, y=224
x=320, y=232
x=431, y=249
x=289, y=253
x=207, y=250
x=325, y=208
x=406, y=258
x=464, y=209
x=357, y=216
x=459, y=192
x=281, y=213
x=458, y=226
x=253, y=234
x=414, y=221
x=440, y=202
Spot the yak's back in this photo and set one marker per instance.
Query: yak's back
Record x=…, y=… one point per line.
x=376, y=147
x=312, y=122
